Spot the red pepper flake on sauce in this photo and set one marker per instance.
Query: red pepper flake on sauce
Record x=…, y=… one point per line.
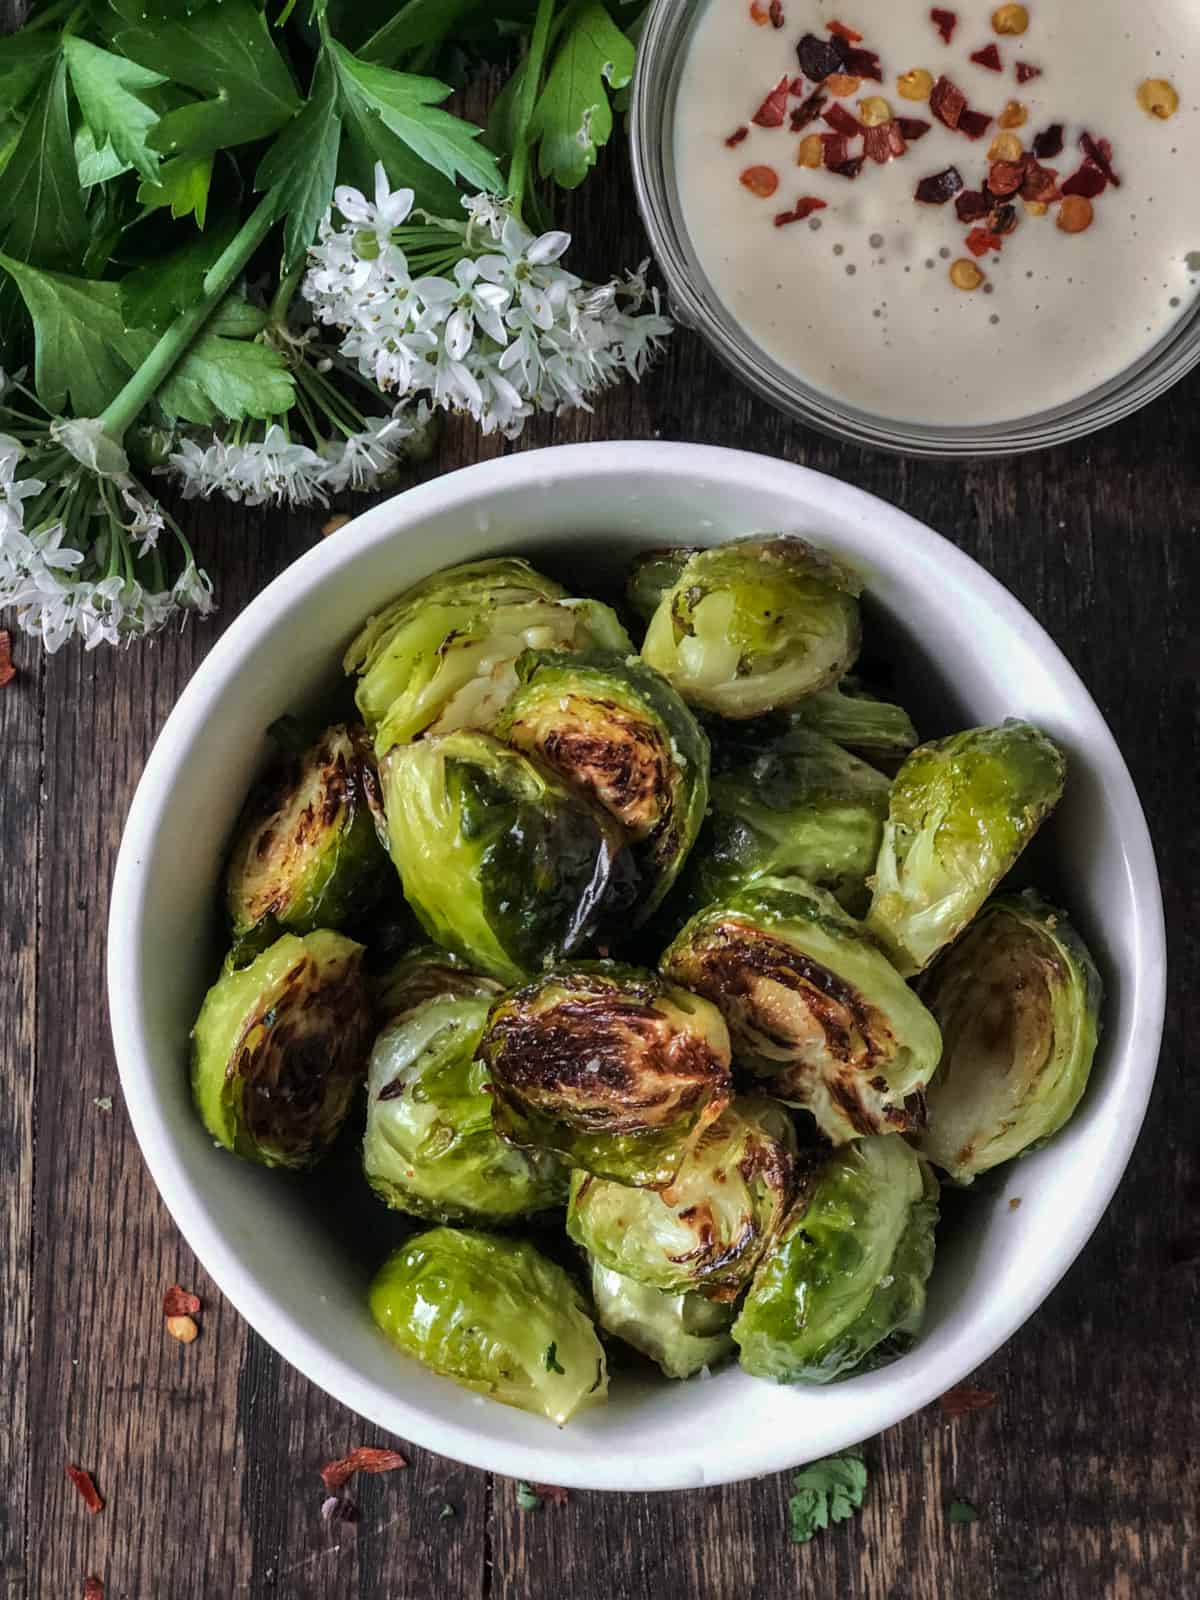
x=913, y=128
x=974, y=124
x=848, y=169
x=736, y=137
x=771, y=113
x=7, y=671
x=835, y=148
x=1088, y=182
x=1040, y=183
x=863, y=64
x=808, y=110
x=179, y=1302
x=1002, y=219
x=1099, y=152
x=945, y=22
x=803, y=208
x=762, y=181
x=884, y=142
x=1049, y=143
x=843, y=32
x=87, y=1489
x=759, y=15
x=775, y=13
x=957, y=1402
x=988, y=57
x=820, y=57
x=980, y=241
x=1026, y=72
x=1005, y=178
x=336, y=1474
x=972, y=205
x=947, y=102
x=939, y=187
x=841, y=121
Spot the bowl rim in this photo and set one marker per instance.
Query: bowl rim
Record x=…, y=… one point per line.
x=185, y=1199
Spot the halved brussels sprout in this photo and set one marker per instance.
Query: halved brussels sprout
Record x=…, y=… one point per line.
x=1018, y=999
x=962, y=810
x=844, y=1287
x=500, y=861
x=280, y=1049
x=709, y=1229
x=430, y=1147
x=812, y=1006
x=855, y=719
x=797, y=805
x=307, y=853
x=496, y=1316
x=443, y=656
x=618, y=733
x=612, y=1068
x=427, y=973
x=683, y=1333
x=652, y=574
x=755, y=625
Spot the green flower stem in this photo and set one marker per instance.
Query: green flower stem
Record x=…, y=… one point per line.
x=535, y=61
x=158, y=365
x=278, y=310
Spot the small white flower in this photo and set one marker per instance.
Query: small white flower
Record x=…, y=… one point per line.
x=273, y=469
x=148, y=521
x=390, y=210
x=85, y=439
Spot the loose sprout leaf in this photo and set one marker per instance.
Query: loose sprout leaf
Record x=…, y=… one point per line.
x=42, y=218
x=223, y=52
x=573, y=116
x=682, y=1333
x=183, y=184
x=302, y=164
x=109, y=89
x=826, y=1491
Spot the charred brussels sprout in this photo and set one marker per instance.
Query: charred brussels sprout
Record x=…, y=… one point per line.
x=800, y=805
x=616, y=731
x=652, y=574
x=500, y=861
x=496, y=1316
x=709, y=1229
x=279, y=1049
x=427, y=973
x=683, y=1333
x=755, y=625
x=1018, y=1000
x=962, y=810
x=443, y=656
x=844, y=1287
x=812, y=1006
x=307, y=853
x=430, y=1147
x=857, y=721
x=612, y=1068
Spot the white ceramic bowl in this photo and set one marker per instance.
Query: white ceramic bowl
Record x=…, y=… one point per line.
x=968, y=647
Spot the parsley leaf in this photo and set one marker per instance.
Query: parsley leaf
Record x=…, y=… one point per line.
x=826, y=1491
x=302, y=164
x=24, y=58
x=963, y=1511
x=416, y=24
x=41, y=209
x=573, y=116
x=227, y=53
x=183, y=185
x=231, y=378
x=153, y=294
x=528, y=1498
x=551, y=1359
x=108, y=88
x=96, y=163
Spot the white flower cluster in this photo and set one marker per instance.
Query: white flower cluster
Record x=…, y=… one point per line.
x=278, y=470
x=39, y=573
x=509, y=333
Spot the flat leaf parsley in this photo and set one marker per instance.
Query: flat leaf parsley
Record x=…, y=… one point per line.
x=826, y=1491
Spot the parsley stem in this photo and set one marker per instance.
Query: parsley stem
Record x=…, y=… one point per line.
x=531, y=82
x=159, y=364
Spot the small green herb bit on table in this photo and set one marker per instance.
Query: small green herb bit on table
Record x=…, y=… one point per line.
x=826, y=1491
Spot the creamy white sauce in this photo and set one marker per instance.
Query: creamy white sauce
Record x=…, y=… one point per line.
x=857, y=300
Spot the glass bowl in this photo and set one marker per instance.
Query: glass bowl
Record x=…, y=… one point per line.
x=662, y=52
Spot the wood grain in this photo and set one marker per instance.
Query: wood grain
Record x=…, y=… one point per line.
x=1086, y=1473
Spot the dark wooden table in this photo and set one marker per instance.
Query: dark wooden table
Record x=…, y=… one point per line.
x=1086, y=1472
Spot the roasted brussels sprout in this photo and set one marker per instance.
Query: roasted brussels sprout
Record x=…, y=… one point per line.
x=430, y=1147
x=427, y=973
x=652, y=574
x=709, y=1229
x=962, y=810
x=683, y=1333
x=813, y=1007
x=442, y=656
x=857, y=721
x=307, y=853
x=798, y=805
x=844, y=1287
x=500, y=861
x=280, y=1048
x=1018, y=1000
x=617, y=732
x=755, y=625
x=612, y=1068
x=496, y=1316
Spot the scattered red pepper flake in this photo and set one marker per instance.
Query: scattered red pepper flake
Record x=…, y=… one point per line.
x=1002, y=219
x=7, y=671
x=843, y=32
x=981, y=240
x=553, y=1492
x=957, y=1402
x=863, y=64
x=336, y=1474
x=849, y=169
x=736, y=137
x=759, y=15
x=803, y=208
x=835, y=147
x=179, y=1302
x=972, y=205
x=1088, y=182
x=939, y=187
x=913, y=128
x=762, y=181
x=1099, y=151
x=1026, y=72
x=945, y=22
x=1049, y=143
x=820, y=57
x=1041, y=183
x=775, y=12
x=974, y=124
x=771, y=113
x=988, y=57
x=883, y=142
x=1015, y=1203
x=93, y=1589
x=947, y=102
x=841, y=121
x=1005, y=178
x=796, y=86
x=87, y=1489
x=808, y=110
